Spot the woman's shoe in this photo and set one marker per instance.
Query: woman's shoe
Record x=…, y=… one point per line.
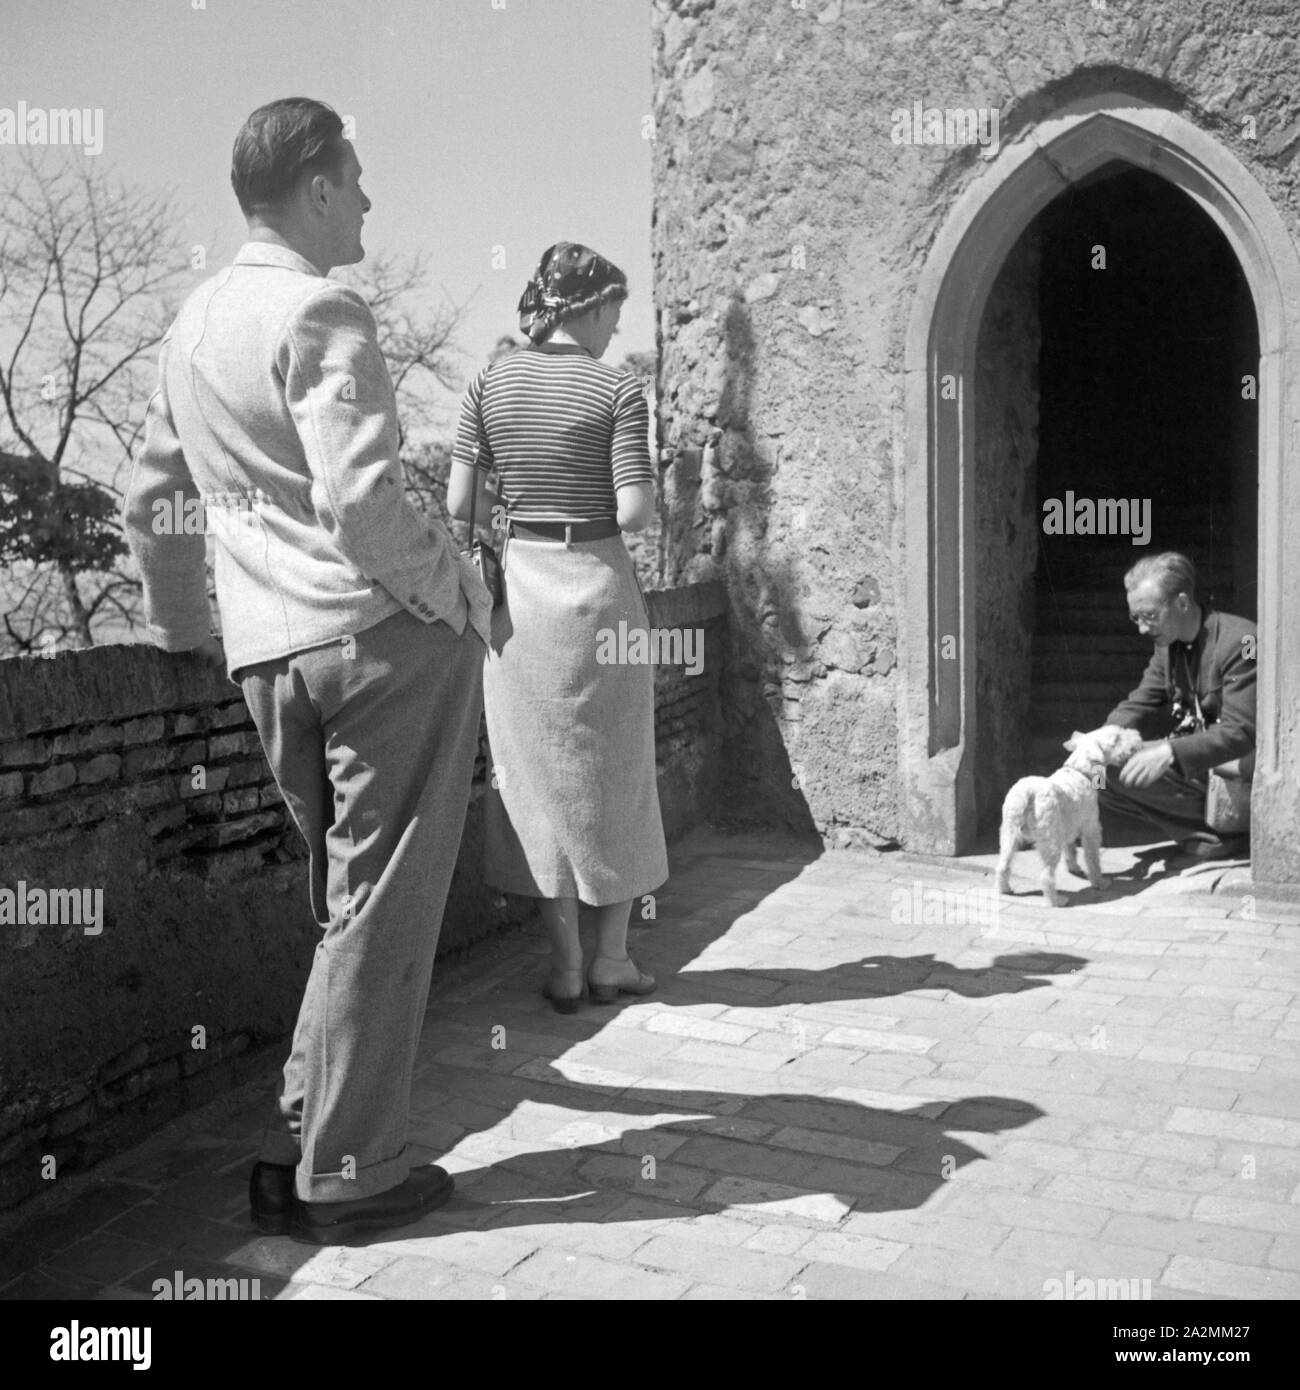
x=564, y=1003
x=270, y=1196
x=632, y=981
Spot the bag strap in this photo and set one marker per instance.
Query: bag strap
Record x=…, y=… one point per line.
x=478, y=446
x=1191, y=685
x=473, y=496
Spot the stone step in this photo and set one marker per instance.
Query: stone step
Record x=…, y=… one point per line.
x=1091, y=572
x=1063, y=692
x=1129, y=645
x=1059, y=721
x=1088, y=617
x=1080, y=664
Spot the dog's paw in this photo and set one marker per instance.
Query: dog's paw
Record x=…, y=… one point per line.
x=1003, y=885
x=1101, y=884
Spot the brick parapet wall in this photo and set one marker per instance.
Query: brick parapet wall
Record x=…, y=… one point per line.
x=206, y=936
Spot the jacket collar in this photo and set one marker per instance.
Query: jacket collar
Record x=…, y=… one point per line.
x=1207, y=637
x=1207, y=632
x=271, y=253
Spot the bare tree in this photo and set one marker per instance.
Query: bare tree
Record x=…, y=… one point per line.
x=419, y=347
x=87, y=267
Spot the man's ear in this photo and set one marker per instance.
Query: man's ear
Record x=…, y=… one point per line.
x=1072, y=742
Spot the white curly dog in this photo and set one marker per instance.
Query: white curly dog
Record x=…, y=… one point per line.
x=1053, y=813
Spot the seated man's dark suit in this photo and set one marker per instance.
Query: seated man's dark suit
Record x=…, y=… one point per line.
x=1217, y=666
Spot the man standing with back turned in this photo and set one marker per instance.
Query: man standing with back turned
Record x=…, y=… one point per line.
x=357, y=633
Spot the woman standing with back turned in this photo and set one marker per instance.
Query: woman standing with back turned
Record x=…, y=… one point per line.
x=573, y=816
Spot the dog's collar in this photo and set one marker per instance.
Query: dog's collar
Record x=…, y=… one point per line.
x=1078, y=771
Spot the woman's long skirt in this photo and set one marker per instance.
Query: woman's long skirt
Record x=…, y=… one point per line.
x=572, y=809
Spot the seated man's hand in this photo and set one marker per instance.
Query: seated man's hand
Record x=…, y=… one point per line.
x=1148, y=764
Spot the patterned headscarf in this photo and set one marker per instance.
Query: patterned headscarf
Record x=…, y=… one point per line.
x=567, y=274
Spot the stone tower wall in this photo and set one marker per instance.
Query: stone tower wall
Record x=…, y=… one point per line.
x=790, y=232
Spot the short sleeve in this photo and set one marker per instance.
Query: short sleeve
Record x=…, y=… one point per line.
x=471, y=447
x=630, y=447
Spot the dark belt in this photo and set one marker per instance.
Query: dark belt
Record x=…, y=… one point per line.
x=564, y=530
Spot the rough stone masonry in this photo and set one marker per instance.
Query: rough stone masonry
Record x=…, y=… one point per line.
x=791, y=229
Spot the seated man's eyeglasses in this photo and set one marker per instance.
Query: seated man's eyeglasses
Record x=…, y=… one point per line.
x=1149, y=617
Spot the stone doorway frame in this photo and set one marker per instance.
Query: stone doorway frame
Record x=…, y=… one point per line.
x=937, y=715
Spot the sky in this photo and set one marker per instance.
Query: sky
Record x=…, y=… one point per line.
x=486, y=129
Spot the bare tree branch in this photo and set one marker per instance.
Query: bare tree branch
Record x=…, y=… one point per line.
x=88, y=267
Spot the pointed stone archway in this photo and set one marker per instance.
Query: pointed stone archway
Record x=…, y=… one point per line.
x=937, y=706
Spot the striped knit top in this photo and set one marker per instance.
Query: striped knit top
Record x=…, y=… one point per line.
x=562, y=429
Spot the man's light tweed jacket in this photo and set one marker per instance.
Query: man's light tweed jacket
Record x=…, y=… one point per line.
x=275, y=406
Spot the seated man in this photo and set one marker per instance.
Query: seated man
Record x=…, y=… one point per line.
x=1199, y=653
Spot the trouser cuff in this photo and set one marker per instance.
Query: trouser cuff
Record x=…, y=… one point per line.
x=368, y=1181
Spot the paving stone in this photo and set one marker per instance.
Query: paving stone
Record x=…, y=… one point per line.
x=1091, y=1259
x=728, y=1059
x=1273, y=1217
x=1182, y=1148
x=663, y=1181
x=1018, y=1211
x=948, y=1232
x=91, y=1208
x=709, y=1030
x=1245, y=1128
x=716, y=1264
x=566, y=1272
x=811, y=1141
x=170, y=1228
x=413, y=1277
x=325, y=1293
x=982, y=1177
x=104, y=1257
x=1178, y=1177
x=825, y=1280
x=1231, y=1280
x=714, y=1293
x=1187, y=1238
x=221, y=1197
x=341, y=1266
x=778, y=1240
x=849, y=1248
x=1118, y=1196
x=766, y=1200
x=971, y=1276
x=487, y=1251
x=45, y=1285
x=805, y=1088
x=17, y=1257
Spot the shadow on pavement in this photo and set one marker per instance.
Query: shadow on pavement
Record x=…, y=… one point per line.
x=694, y=1152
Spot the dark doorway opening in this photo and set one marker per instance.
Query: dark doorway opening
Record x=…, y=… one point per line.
x=1137, y=393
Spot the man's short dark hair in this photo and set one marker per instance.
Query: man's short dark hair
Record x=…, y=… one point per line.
x=280, y=143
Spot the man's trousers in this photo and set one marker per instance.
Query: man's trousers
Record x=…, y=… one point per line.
x=1174, y=803
x=372, y=740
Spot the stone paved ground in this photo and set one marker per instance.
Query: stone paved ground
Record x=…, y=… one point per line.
x=861, y=1078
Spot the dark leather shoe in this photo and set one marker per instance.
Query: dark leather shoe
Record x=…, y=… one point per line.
x=337, y=1223
x=1202, y=846
x=270, y=1196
